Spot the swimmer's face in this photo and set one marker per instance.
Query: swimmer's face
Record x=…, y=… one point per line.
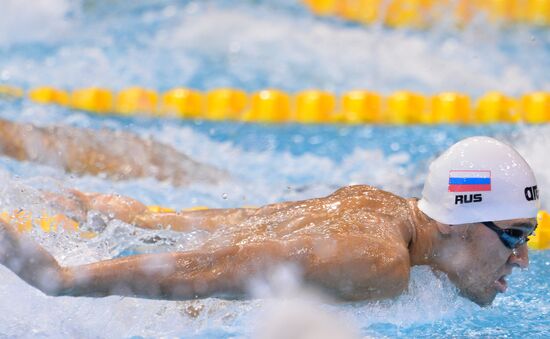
x=481, y=273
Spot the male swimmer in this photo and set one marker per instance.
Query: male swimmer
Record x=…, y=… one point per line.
x=477, y=209
x=117, y=155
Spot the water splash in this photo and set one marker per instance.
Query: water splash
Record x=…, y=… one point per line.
x=532, y=145
x=160, y=45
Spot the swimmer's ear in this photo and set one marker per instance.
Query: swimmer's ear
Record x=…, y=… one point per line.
x=443, y=228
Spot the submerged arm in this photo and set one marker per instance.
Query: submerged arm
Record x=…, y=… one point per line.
x=118, y=155
x=131, y=211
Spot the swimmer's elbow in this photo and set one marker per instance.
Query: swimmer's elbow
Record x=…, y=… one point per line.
x=398, y=274
x=49, y=283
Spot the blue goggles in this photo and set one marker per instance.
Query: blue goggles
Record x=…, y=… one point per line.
x=510, y=237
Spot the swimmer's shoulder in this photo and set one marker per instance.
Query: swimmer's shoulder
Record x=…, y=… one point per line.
x=369, y=192
x=370, y=198
x=381, y=205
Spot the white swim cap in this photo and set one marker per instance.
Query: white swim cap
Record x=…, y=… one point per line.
x=479, y=179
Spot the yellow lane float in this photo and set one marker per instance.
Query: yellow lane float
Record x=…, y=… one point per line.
x=361, y=107
x=159, y=209
x=404, y=107
x=322, y=7
x=313, y=106
x=10, y=92
x=540, y=240
x=535, y=107
x=450, y=108
x=93, y=99
x=309, y=106
x=408, y=13
x=49, y=95
x=182, y=102
x=537, y=12
x=225, y=104
x=269, y=105
x=364, y=11
x=136, y=100
x=496, y=107
x=24, y=221
x=422, y=13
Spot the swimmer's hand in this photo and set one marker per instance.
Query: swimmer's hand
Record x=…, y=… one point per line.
x=76, y=205
x=68, y=203
x=24, y=257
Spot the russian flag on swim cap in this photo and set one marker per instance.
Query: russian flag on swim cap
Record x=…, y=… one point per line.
x=469, y=181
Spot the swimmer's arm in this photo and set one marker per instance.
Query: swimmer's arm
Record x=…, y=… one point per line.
x=29, y=260
x=185, y=221
x=77, y=204
x=112, y=153
x=209, y=219
x=201, y=273
x=224, y=272
x=177, y=275
x=355, y=268
x=134, y=212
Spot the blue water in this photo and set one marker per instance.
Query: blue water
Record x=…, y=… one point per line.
x=253, y=45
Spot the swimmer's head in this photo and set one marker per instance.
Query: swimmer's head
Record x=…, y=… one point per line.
x=479, y=179
x=484, y=197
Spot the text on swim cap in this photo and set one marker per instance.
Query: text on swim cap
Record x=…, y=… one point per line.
x=531, y=193
x=468, y=198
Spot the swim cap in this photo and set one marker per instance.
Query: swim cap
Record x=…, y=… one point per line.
x=479, y=179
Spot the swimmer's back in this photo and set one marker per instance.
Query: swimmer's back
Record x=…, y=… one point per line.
x=360, y=210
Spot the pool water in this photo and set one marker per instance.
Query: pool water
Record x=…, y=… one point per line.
x=253, y=45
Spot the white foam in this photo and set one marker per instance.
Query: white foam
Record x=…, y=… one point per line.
x=287, y=310
x=42, y=21
x=302, y=53
x=533, y=145
x=263, y=46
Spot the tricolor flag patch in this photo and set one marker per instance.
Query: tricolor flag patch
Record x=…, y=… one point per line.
x=469, y=181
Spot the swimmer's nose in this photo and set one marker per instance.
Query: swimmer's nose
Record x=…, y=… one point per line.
x=520, y=257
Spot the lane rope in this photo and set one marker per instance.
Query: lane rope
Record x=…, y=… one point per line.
x=424, y=13
x=309, y=106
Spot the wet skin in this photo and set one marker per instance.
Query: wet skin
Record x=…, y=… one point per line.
x=114, y=154
x=358, y=243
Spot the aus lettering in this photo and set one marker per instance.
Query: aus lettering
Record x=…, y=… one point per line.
x=468, y=198
x=531, y=193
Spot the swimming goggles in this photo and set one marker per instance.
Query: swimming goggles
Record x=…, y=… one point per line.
x=510, y=237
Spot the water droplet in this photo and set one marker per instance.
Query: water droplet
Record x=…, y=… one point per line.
x=224, y=196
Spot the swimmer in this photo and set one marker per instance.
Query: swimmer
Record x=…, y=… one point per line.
x=117, y=155
x=478, y=206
